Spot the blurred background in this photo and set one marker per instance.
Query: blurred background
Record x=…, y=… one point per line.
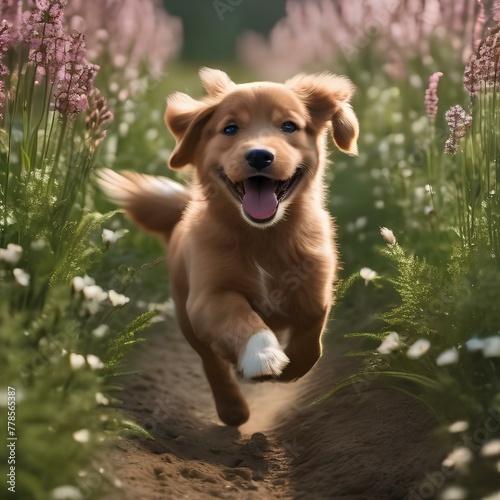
x=388, y=48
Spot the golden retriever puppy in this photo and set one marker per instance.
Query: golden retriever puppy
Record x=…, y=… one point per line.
x=250, y=246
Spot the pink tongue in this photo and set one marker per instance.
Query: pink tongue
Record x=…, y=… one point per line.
x=260, y=200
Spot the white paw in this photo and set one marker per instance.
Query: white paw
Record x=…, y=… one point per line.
x=262, y=356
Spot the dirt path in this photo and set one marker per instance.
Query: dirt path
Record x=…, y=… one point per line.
x=353, y=447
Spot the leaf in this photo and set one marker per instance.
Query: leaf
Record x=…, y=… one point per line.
x=26, y=160
x=4, y=141
x=368, y=335
x=420, y=380
x=119, y=346
x=126, y=373
x=134, y=429
x=75, y=251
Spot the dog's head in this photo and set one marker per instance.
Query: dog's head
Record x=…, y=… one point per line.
x=262, y=142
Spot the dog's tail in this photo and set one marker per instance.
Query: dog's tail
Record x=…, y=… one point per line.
x=154, y=203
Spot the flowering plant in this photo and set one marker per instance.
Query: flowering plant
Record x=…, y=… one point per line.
x=441, y=341
x=61, y=336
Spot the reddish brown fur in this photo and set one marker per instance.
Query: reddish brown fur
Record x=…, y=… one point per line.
x=230, y=278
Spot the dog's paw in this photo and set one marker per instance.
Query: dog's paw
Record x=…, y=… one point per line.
x=262, y=356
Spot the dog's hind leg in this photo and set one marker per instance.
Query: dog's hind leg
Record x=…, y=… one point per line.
x=229, y=401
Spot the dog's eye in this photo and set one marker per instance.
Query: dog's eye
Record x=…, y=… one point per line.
x=230, y=129
x=289, y=127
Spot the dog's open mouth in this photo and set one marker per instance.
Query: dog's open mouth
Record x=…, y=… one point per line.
x=260, y=196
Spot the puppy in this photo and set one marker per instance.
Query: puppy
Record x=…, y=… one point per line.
x=250, y=246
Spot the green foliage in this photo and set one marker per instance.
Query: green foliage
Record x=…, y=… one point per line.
x=119, y=345
x=413, y=274
x=449, y=298
x=77, y=252
x=62, y=335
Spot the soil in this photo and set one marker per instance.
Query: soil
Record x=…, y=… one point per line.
x=374, y=444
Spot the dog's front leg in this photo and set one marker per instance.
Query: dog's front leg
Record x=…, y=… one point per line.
x=304, y=348
x=226, y=322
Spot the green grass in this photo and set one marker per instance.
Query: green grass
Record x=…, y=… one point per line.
x=440, y=280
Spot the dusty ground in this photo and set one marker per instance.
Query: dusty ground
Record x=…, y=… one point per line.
x=373, y=445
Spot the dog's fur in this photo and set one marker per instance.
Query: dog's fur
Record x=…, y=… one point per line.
x=252, y=283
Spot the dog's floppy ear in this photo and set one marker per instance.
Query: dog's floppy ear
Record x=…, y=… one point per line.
x=326, y=97
x=185, y=117
x=215, y=82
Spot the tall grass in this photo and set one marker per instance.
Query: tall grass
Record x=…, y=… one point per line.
x=441, y=339
x=61, y=333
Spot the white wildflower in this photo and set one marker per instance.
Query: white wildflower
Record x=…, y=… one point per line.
x=38, y=245
x=360, y=223
x=459, y=458
x=12, y=254
x=491, y=347
x=419, y=193
x=91, y=307
x=94, y=362
x=418, y=348
x=454, y=493
x=448, y=357
x=117, y=299
x=389, y=344
x=117, y=483
x=80, y=283
x=110, y=237
x=82, y=436
x=76, y=361
x=388, y=236
x=165, y=309
x=368, y=274
x=101, y=399
x=66, y=492
x=100, y=331
x=95, y=293
x=491, y=448
x=21, y=276
x=475, y=344
x=495, y=496
x=458, y=426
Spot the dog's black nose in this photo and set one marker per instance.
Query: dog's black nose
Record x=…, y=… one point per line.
x=259, y=158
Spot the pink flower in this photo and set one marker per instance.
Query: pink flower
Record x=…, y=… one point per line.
x=458, y=121
x=42, y=31
x=61, y=58
x=97, y=116
x=431, y=98
x=10, y=11
x=128, y=34
x=75, y=76
x=6, y=41
x=479, y=25
x=496, y=11
x=482, y=73
x=316, y=33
